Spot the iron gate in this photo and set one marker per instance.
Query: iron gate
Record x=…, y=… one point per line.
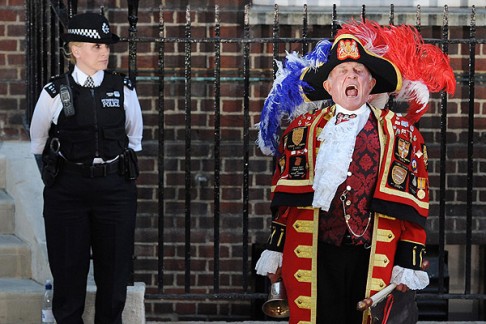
x=47, y=19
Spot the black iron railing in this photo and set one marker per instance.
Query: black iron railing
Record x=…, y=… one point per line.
x=45, y=59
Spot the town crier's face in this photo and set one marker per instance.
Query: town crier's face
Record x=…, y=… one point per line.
x=349, y=85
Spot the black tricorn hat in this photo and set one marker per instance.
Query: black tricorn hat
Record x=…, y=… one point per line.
x=89, y=28
x=348, y=48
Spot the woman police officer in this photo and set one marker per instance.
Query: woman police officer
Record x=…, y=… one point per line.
x=87, y=124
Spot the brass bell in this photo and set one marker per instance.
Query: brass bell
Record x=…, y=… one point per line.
x=276, y=304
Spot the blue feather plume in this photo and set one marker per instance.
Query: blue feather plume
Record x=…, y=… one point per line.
x=285, y=99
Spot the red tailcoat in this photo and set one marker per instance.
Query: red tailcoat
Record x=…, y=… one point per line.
x=400, y=204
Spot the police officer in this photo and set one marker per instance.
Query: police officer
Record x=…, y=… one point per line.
x=87, y=125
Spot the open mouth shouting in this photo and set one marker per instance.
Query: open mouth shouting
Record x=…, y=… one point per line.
x=351, y=91
x=349, y=84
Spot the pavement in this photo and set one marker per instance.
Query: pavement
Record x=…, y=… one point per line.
x=283, y=322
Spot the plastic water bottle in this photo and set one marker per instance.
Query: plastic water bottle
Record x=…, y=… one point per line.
x=47, y=316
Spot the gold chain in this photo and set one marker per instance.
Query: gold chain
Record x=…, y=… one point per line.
x=344, y=201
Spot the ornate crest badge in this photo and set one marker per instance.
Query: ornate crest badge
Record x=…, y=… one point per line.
x=398, y=176
x=403, y=150
x=297, y=136
x=347, y=48
x=297, y=139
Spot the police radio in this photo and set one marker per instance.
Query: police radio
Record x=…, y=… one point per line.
x=66, y=98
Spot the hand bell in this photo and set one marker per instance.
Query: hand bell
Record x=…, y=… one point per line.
x=276, y=304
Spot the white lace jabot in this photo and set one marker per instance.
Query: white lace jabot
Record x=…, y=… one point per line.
x=335, y=153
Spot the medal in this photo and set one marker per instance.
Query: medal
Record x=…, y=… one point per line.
x=421, y=194
x=421, y=185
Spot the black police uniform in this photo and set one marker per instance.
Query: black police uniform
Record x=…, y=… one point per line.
x=89, y=208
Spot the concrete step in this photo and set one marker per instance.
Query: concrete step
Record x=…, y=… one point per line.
x=134, y=311
x=21, y=301
x=7, y=209
x=15, y=258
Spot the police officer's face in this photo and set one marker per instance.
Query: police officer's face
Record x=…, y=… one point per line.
x=91, y=57
x=349, y=85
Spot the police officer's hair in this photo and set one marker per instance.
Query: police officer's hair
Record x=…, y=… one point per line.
x=68, y=53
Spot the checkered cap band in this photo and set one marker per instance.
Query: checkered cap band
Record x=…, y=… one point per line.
x=91, y=33
x=91, y=28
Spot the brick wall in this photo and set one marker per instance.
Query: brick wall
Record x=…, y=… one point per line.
x=457, y=144
x=12, y=72
x=201, y=195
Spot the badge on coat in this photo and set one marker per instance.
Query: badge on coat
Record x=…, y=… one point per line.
x=426, y=156
x=297, y=167
x=111, y=100
x=413, y=184
x=422, y=186
x=281, y=163
x=398, y=176
x=297, y=138
x=402, y=150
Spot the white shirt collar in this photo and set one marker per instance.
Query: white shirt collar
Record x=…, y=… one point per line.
x=80, y=77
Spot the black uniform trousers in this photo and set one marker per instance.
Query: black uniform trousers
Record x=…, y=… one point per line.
x=341, y=282
x=84, y=215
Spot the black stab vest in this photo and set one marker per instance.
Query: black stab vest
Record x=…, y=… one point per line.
x=97, y=129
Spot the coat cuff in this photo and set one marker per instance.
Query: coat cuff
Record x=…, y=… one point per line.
x=414, y=279
x=269, y=262
x=410, y=255
x=277, y=238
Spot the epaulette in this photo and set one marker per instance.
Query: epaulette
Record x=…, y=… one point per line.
x=52, y=88
x=128, y=83
x=126, y=80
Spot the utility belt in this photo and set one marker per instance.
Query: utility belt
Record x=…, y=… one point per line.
x=95, y=170
x=125, y=165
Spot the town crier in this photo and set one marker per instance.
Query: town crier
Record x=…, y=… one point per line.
x=350, y=192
